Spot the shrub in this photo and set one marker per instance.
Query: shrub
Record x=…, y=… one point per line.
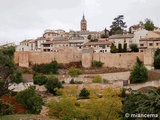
x=157, y=59
x=133, y=47
x=72, y=81
x=97, y=63
x=30, y=100
x=78, y=82
x=105, y=81
x=97, y=79
x=39, y=79
x=63, y=82
x=52, y=83
x=74, y=72
x=119, y=47
x=47, y=68
x=139, y=72
x=84, y=93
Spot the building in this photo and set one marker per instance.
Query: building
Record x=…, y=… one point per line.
x=97, y=47
x=51, y=34
x=83, y=24
x=122, y=39
x=152, y=40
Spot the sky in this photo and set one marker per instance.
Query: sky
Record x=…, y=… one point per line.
x=27, y=19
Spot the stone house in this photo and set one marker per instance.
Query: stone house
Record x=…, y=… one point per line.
x=97, y=47
x=28, y=81
x=22, y=48
x=122, y=39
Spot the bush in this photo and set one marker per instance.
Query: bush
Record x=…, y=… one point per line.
x=47, y=68
x=97, y=63
x=134, y=47
x=63, y=82
x=157, y=59
x=30, y=100
x=52, y=83
x=139, y=73
x=97, y=79
x=72, y=81
x=39, y=79
x=84, y=93
x=74, y=72
x=105, y=81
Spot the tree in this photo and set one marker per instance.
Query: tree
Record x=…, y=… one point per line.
x=113, y=48
x=30, y=100
x=40, y=79
x=125, y=47
x=119, y=47
x=157, y=59
x=109, y=107
x=52, y=83
x=133, y=47
x=139, y=72
x=6, y=67
x=17, y=76
x=118, y=25
x=89, y=37
x=149, y=25
x=84, y=93
x=104, y=35
x=5, y=108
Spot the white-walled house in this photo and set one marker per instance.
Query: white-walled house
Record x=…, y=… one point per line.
x=22, y=48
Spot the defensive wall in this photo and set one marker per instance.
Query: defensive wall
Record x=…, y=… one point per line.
x=86, y=56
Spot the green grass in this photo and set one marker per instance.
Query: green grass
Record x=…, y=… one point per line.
x=24, y=116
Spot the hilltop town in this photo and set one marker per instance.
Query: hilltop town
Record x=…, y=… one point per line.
x=71, y=69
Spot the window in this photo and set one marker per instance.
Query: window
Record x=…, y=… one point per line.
x=141, y=50
x=157, y=44
x=150, y=44
x=141, y=44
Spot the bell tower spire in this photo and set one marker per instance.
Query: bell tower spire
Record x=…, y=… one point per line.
x=83, y=23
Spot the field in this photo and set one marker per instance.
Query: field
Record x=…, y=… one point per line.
x=24, y=117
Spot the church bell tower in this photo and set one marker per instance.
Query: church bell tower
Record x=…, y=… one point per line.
x=83, y=24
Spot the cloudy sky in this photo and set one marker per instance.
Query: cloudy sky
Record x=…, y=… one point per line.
x=26, y=19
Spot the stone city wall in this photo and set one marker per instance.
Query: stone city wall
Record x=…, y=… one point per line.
x=119, y=60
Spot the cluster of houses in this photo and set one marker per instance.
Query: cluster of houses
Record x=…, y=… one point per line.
x=53, y=40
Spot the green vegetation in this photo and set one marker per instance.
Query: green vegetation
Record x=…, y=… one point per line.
x=24, y=117
x=17, y=76
x=113, y=48
x=40, y=79
x=75, y=82
x=6, y=68
x=142, y=102
x=5, y=108
x=52, y=83
x=94, y=40
x=74, y=72
x=119, y=48
x=84, y=93
x=157, y=59
x=139, y=72
x=30, y=100
x=47, y=68
x=105, y=81
x=118, y=25
x=149, y=25
x=95, y=108
x=105, y=35
x=134, y=47
x=125, y=47
x=97, y=79
x=97, y=63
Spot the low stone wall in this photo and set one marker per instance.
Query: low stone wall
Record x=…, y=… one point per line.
x=155, y=83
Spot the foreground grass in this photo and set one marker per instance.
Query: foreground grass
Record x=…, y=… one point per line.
x=24, y=117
